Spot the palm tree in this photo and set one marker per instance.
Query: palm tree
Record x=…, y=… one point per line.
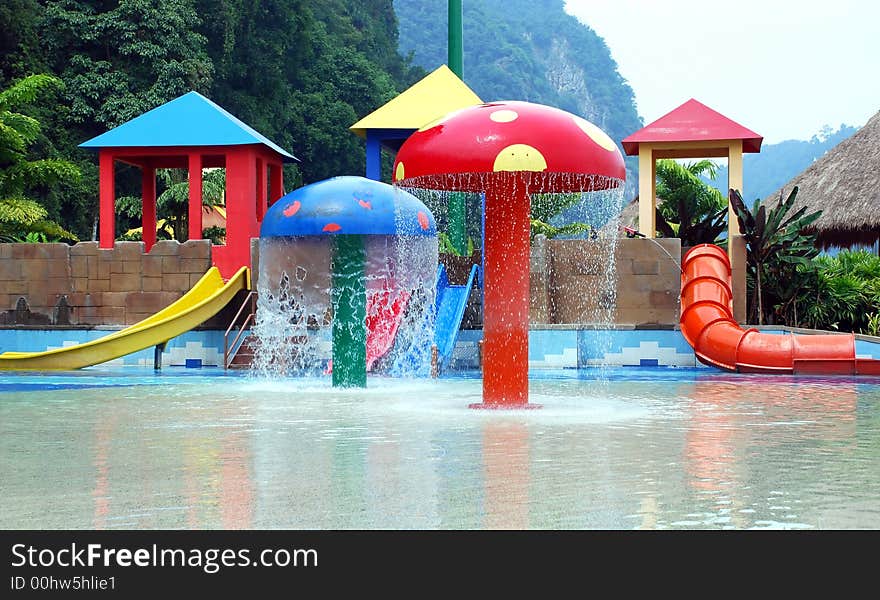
x=173, y=203
x=690, y=209
x=22, y=217
x=545, y=206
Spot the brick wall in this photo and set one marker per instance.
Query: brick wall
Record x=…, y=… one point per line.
x=57, y=284
x=566, y=281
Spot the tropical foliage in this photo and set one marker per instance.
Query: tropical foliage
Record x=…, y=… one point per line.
x=790, y=284
x=172, y=205
x=545, y=206
x=445, y=246
x=689, y=208
x=299, y=72
x=843, y=293
x=776, y=247
x=21, y=175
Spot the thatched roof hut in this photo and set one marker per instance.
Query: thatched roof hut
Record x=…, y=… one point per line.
x=845, y=185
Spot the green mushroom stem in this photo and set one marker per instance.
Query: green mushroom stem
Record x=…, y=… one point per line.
x=349, y=299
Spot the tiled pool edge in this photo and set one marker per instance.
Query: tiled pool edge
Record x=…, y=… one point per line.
x=577, y=347
x=550, y=347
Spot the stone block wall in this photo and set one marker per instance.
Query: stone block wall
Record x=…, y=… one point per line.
x=568, y=279
x=57, y=284
x=83, y=285
x=566, y=275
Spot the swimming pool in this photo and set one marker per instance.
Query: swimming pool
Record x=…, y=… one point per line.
x=664, y=448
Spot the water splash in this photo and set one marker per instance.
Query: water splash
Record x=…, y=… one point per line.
x=294, y=316
x=295, y=311
x=585, y=217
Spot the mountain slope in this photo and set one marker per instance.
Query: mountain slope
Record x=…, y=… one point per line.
x=777, y=164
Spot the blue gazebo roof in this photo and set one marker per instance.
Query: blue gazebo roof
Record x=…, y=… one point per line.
x=189, y=120
x=348, y=205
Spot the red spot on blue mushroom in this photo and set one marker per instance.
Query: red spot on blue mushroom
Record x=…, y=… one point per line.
x=348, y=205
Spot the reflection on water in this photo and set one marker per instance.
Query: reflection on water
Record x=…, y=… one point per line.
x=677, y=449
x=506, y=475
x=103, y=437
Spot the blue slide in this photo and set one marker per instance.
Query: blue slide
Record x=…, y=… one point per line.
x=450, y=302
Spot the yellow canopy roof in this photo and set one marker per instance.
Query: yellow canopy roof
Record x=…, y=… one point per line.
x=438, y=93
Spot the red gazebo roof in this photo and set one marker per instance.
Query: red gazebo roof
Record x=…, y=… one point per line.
x=692, y=122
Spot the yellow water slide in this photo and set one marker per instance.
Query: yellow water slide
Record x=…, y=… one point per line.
x=207, y=297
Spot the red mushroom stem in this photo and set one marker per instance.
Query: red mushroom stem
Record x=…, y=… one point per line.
x=506, y=293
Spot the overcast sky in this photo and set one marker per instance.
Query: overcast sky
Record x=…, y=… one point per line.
x=783, y=68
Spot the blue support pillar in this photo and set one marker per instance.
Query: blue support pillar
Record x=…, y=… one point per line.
x=374, y=157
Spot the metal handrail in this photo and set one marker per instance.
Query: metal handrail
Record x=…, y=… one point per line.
x=241, y=331
x=252, y=299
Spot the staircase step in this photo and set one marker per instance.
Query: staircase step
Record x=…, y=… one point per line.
x=244, y=357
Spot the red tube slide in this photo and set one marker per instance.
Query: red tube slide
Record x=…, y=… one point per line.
x=709, y=327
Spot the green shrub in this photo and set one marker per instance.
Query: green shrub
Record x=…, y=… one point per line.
x=845, y=293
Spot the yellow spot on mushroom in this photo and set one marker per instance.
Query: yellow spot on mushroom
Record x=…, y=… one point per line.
x=520, y=157
x=398, y=173
x=596, y=134
x=504, y=116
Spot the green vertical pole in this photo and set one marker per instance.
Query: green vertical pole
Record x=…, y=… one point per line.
x=349, y=298
x=454, y=44
x=456, y=224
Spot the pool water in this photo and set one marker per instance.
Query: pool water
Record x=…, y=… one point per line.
x=636, y=448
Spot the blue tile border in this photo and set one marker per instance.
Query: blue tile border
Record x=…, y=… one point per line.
x=205, y=346
x=866, y=349
x=548, y=348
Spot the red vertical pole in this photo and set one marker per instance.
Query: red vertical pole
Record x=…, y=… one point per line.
x=106, y=199
x=276, y=182
x=241, y=221
x=506, y=294
x=261, y=189
x=195, y=196
x=148, y=199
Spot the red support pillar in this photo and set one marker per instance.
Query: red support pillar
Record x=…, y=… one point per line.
x=241, y=217
x=276, y=182
x=148, y=197
x=195, y=196
x=506, y=295
x=261, y=189
x=106, y=199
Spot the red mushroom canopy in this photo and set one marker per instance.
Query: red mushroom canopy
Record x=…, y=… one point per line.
x=553, y=150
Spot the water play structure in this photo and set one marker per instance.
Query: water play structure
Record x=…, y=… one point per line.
x=708, y=325
x=350, y=265
x=508, y=150
x=203, y=301
x=350, y=254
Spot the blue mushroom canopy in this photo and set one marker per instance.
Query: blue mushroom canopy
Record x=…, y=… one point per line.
x=348, y=205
